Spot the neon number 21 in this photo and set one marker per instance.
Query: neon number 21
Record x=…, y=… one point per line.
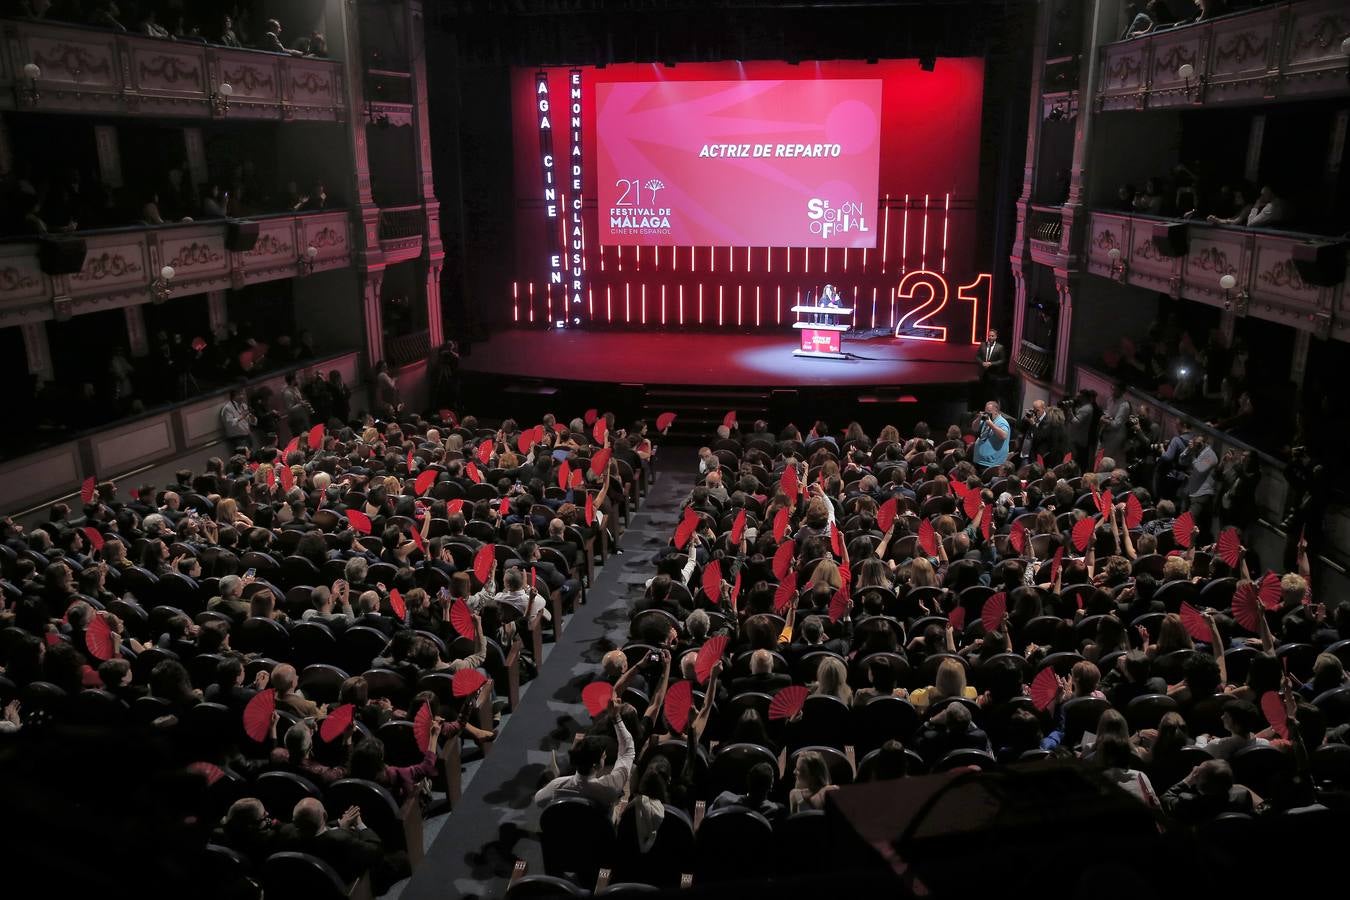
x=981, y=289
x=935, y=301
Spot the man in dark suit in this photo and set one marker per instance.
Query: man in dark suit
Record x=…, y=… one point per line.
x=992, y=359
x=762, y=678
x=549, y=573
x=350, y=848
x=812, y=634
x=951, y=729
x=368, y=615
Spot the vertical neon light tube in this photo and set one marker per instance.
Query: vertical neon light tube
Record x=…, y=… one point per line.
x=720, y=304
x=621, y=257
x=798, y=303
x=756, y=306
x=642, y=301
x=846, y=258
x=946, y=215
x=548, y=294
x=874, y=307
x=731, y=259
x=515, y=301
x=904, y=238
x=747, y=259
x=885, y=231
x=787, y=251
x=864, y=259
x=923, y=253
x=768, y=260
x=892, y=306
x=827, y=260
x=681, y=302
x=602, y=257
x=531, y=301
x=700, y=304
x=590, y=301
x=739, y=306
x=609, y=303
x=627, y=302
x=663, y=306
x=806, y=260
x=855, y=306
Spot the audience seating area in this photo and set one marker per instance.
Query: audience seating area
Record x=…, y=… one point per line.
x=335, y=626
x=881, y=609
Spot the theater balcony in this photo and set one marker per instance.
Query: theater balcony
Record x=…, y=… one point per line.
x=401, y=232
x=1279, y=276
x=1272, y=53
x=154, y=437
x=1044, y=235
x=127, y=266
x=97, y=72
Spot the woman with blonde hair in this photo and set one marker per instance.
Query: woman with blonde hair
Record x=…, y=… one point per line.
x=812, y=782
x=832, y=680
x=227, y=513
x=950, y=681
x=922, y=573
x=826, y=575
x=889, y=435
x=872, y=572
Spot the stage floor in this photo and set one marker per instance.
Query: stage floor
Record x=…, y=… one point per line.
x=724, y=360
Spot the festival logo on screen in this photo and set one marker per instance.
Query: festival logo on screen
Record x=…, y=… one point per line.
x=638, y=211
x=828, y=219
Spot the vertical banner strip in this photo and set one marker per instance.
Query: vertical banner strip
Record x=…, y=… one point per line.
x=548, y=173
x=576, y=228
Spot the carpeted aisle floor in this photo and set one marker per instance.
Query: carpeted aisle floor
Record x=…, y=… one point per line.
x=474, y=847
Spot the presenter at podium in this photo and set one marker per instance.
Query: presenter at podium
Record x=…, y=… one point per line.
x=829, y=296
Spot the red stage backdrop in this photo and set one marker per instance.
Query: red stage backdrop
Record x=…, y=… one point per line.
x=738, y=163
x=740, y=251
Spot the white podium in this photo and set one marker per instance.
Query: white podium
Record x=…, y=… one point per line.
x=820, y=340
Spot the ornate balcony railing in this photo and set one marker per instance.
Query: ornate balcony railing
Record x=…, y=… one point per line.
x=124, y=266
x=101, y=72
x=1266, y=279
x=1272, y=52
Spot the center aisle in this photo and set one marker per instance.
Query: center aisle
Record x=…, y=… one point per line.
x=496, y=822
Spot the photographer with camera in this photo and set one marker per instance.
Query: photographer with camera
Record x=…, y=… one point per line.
x=1200, y=463
x=992, y=433
x=1043, y=434
x=1082, y=412
x=1143, y=444
x=1115, y=425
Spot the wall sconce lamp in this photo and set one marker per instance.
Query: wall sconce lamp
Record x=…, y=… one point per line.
x=1186, y=72
x=26, y=88
x=1232, y=297
x=162, y=287
x=220, y=98
x=1117, y=267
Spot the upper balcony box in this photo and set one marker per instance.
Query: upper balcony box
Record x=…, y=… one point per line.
x=85, y=70
x=121, y=265
x=1266, y=281
x=1267, y=53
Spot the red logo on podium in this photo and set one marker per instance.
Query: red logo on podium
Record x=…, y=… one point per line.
x=819, y=340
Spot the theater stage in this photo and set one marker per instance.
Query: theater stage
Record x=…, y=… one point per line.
x=714, y=360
